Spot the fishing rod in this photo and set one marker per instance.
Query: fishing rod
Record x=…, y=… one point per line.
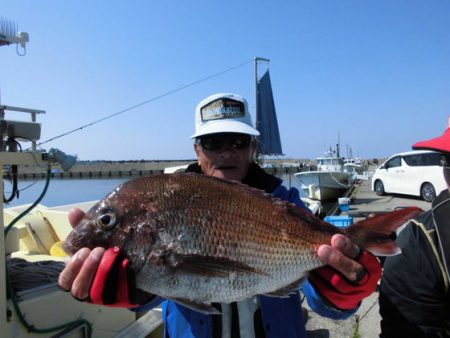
x=147, y=101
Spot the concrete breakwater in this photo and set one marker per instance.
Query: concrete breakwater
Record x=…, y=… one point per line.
x=114, y=169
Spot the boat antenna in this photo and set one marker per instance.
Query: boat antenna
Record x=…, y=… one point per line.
x=146, y=101
x=9, y=34
x=338, y=145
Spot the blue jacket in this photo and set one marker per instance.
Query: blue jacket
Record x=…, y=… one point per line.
x=281, y=317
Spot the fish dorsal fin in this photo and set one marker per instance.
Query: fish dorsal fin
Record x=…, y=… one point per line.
x=242, y=186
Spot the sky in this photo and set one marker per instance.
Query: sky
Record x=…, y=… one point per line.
x=373, y=74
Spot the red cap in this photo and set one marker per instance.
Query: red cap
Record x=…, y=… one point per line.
x=441, y=143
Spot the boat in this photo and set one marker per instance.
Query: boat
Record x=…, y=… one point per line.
x=357, y=168
x=329, y=181
x=31, y=303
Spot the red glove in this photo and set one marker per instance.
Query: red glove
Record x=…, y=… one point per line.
x=341, y=292
x=114, y=282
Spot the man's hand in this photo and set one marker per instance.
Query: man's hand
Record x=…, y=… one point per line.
x=340, y=255
x=100, y=276
x=349, y=277
x=80, y=270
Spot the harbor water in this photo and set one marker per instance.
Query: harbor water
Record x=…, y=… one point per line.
x=72, y=191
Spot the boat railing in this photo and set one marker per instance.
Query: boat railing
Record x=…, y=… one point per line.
x=35, y=236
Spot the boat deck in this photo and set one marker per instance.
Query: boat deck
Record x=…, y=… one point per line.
x=367, y=317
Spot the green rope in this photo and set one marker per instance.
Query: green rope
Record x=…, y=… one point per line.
x=31, y=207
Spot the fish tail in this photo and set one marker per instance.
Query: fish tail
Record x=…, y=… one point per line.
x=377, y=234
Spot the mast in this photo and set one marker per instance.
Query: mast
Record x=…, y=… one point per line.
x=338, y=146
x=257, y=118
x=269, y=141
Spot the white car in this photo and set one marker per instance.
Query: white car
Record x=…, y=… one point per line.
x=417, y=173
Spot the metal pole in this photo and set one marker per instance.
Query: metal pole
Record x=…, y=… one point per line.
x=3, y=300
x=33, y=119
x=256, y=88
x=256, y=93
x=256, y=106
x=257, y=122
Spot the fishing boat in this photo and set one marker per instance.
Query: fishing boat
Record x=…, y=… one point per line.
x=31, y=303
x=357, y=168
x=329, y=181
x=31, y=258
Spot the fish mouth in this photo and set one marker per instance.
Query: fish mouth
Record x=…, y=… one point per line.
x=83, y=235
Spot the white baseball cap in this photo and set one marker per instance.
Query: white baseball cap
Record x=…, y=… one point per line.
x=223, y=113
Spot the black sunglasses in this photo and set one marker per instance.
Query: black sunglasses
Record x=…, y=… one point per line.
x=445, y=160
x=217, y=141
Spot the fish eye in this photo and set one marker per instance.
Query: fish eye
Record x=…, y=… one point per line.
x=107, y=220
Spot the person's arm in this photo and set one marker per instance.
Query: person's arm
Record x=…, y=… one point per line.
x=336, y=290
x=412, y=293
x=291, y=195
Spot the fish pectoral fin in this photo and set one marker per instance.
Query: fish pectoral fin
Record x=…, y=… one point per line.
x=211, y=266
x=285, y=291
x=205, y=308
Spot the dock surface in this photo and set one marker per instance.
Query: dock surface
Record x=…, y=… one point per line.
x=366, y=322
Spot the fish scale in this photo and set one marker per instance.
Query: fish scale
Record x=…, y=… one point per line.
x=200, y=240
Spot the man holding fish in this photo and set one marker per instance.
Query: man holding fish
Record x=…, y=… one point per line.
x=415, y=288
x=226, y=259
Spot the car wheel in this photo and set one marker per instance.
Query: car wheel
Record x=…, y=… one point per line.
x=379, y=188
x=427, y=192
